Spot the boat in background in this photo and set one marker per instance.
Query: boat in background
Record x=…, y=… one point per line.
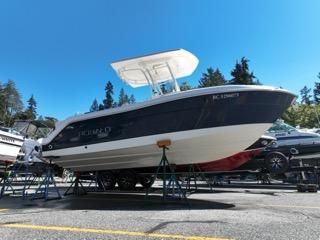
x=19, y=142
x=204, y=125
x=287, y=135
x=291, y=145
x=10, y=144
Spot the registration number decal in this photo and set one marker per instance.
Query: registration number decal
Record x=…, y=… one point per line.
x=224, y=96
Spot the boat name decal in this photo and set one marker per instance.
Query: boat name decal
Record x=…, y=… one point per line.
x=6, y=139
x=100, y=132
x=224, y=96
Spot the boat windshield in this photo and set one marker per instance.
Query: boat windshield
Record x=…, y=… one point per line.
x=280, y=126
x=9, y=130
x=33, y=129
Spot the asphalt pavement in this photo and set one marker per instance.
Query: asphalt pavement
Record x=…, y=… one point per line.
x=225, y=213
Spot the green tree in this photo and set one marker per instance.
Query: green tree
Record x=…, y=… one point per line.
x=123, y=98
x=185, y=86
x=132, y=99
x=212, y=78
x=11, y=102
x=94, y=106
x=241, y=74
x=303, y=115
x=108, y=101
x=31, y=110
x=2, y=104
x=305, y=95
x=164, y=88
x=316, y=91
x=291, y=115
x=101, y=107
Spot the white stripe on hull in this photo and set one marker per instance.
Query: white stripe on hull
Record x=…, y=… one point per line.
x=194, y=146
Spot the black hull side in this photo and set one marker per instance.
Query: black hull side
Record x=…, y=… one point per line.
x=206, y=111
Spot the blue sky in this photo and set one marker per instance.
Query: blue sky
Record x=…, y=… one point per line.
x=61, y=51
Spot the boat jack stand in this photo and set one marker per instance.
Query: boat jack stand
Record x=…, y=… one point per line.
x=76, y=186
x=17, y=178
x=195, y=172
x=5, y=181
x=44, y=188
x=172, y=189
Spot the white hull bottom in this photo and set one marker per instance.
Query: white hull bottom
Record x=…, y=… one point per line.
x=194, y=146
x=9, y=152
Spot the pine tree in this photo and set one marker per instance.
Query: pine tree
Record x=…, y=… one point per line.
x=94, y=106
x=185, y=86
x=11, y=102
x=164, y=88
x=108, y=101
x=101, y=107
x=241, y=73
x=132, y=99
x=31, y=110
x=123, y=98
x=305, y=95
x=2, y=104
x=316, y=91
x=212, y=78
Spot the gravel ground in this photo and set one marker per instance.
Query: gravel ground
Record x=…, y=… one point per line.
x=227, y=213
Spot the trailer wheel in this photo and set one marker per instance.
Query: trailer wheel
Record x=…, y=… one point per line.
x=312, y=187
x=108, y=180
x=146, y=181
x=127, y=180
x=302, y=187
x=276, y=162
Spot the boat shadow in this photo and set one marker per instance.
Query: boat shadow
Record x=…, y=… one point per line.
x=114, y=201
x=135, y=202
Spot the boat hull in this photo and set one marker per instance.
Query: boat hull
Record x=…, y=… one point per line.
x=203, y=125
x=188, y=147
x=9, y=147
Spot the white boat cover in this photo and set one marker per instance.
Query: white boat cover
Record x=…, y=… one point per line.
x=156, y=68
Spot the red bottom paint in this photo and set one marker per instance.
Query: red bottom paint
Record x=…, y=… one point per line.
x=230, y=163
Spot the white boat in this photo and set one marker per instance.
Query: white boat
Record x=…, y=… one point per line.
x=204, y=125
x=18, y=143
x=10, y=144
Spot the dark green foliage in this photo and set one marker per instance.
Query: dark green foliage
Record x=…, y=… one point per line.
x=316, y=91
x=2, y=104
x=123, y=98
x=305, y=95
x=185, y=86
x=10, y=103
x=108, y=101
x=101, y=107
x=164, y=88
x=31, y=111
x=303, y=115
x=241, y=74
x=94, y=106
x=132, y=99
x=212, y=78
x=50, y=121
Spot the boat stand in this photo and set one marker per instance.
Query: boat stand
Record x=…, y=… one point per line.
x=76, y=187
x=47, y=186
x=172, y=189
x=195, y=172
x=17, y=177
